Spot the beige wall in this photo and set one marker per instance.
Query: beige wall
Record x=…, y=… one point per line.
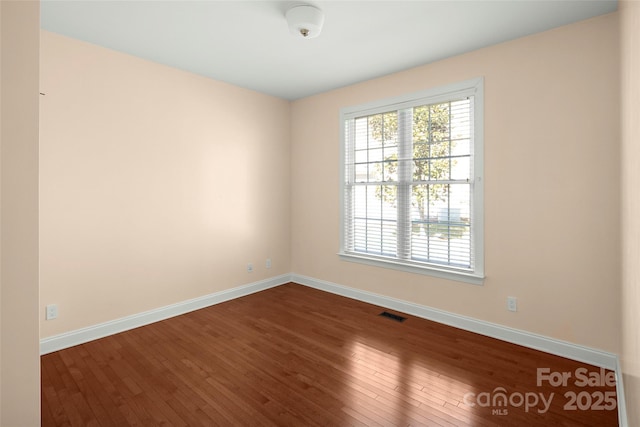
x=139, y=201
x=136, y=182
x=551, y=185
x=157, y=185
x=630, y=224
x=19, y=361
x=139, y=198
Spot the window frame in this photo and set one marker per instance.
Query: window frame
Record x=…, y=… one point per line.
x=473, y=87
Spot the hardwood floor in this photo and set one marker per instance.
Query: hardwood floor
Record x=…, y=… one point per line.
x=297, y=356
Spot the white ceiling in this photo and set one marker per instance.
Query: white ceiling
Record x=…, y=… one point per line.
x=247, y=43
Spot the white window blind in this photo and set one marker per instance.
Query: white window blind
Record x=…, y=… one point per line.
x=412, y=190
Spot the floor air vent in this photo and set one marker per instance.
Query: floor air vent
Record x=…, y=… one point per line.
x=392, y=316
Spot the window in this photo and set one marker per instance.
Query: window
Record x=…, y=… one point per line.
x=412, y=182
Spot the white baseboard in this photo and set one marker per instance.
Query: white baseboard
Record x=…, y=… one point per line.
x=622, y=402
x=80, y=336
x=527, y=339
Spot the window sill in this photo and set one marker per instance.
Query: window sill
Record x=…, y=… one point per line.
x=459, y=276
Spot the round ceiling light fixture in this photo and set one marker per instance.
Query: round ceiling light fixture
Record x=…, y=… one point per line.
x=305, y=21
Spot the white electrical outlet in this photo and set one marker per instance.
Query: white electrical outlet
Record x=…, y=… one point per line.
x=512, y=304
x=51, y=311
x=268, y=263
x=249, y=268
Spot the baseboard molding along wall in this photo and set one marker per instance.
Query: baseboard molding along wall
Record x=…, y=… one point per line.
x=527, y=339
x=515, y=336
x=80, y=336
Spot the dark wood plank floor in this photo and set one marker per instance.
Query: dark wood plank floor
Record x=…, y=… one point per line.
x=296, y=356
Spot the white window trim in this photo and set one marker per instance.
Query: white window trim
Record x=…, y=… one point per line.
x=473, y=87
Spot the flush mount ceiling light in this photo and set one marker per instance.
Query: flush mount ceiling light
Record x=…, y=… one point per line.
x=305, y=21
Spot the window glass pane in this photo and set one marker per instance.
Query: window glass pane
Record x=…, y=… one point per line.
x=420, y=170
x=421, y=124
x=390, y=172
x=375, y=155
x=391, y=153
x=420, y=202
x=460, y=198
x=438, y=196
x=390, y=129
x=439, y=149
x=374, y=204
x=421, y=150
x=376, y=130
x=439, y=122
x=461, y=146
x=361, y=137
x=440, y=224
x=439, y=168
x=362, y=172
x=361, y=156
x=388, y=195
x=460, y=118
x=461, y=168
x=375, y=172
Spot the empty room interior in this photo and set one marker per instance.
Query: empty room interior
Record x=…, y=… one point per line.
x=320, y=213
